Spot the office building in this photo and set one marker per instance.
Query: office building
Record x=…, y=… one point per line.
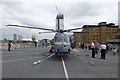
x=14, y=37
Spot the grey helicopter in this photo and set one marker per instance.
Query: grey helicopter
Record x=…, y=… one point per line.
x=62, y=43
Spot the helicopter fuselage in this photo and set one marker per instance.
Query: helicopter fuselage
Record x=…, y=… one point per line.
x=62, y=43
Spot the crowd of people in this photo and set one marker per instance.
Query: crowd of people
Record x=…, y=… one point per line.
x=103, y=48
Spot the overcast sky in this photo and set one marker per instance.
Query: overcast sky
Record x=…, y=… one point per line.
x=42, y=14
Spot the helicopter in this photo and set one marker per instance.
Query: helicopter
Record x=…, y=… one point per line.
x=62, y=44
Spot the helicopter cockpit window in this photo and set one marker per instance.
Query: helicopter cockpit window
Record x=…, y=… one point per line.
x=66, y=39
x=61, y=38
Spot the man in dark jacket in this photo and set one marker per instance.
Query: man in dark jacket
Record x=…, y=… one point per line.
x=9, y=46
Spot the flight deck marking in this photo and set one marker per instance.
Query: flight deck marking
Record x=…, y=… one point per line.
x=37, y=62
x=65, y=70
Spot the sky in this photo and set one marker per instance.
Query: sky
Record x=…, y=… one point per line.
x=39, y=13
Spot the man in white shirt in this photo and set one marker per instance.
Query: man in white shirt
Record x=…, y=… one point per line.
x=103, y=50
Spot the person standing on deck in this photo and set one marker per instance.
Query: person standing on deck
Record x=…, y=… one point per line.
x=103, y=50
x=9, y=46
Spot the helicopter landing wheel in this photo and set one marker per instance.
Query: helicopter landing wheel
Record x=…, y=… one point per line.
x=69, y=51
x=51, y=51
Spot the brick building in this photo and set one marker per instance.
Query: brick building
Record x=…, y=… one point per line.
x=78, y=36
x=99, y=33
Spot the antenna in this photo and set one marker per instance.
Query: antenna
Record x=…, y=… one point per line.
x=57, y=10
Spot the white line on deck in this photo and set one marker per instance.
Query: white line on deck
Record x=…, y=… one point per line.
x=65, y=70
x=37, y=62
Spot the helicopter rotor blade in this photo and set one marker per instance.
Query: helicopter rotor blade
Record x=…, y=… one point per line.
x=72, y=29
x=45, y=32
x=31, y=27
